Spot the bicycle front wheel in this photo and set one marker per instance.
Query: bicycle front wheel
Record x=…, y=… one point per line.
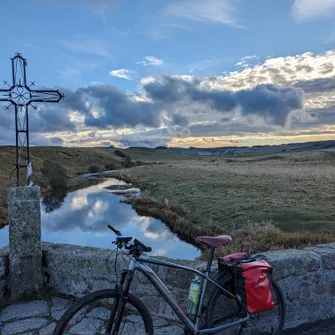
x=95, y=313
x=222, y=310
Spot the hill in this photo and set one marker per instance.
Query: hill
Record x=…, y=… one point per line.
x=74, y=160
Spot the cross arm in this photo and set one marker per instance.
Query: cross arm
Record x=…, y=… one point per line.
x=4, y=95
x=46, y=96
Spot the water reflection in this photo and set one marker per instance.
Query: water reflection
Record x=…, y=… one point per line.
x=83, y=216
x=53, y=200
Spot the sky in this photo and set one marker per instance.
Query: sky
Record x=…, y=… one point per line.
x=203, y=73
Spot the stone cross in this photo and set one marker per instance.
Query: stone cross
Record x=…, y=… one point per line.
x=24, y=213
x=21, y=96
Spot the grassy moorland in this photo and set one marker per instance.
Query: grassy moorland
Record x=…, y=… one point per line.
x=295, y=192
x=265, y=202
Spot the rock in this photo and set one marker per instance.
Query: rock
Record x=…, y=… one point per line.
x=48, y=329
x=59, y=307
x=24, y=310
x=327, y=252
x=23, y=326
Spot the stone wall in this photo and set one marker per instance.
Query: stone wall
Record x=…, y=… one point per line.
x=307, y=278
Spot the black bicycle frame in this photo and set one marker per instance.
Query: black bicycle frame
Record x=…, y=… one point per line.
x=138, y=264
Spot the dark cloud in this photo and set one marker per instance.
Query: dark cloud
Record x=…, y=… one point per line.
x=56, y=141
x=50, y=118
x=323, y=116
x=142, y=142
x=118, y=109
x=270, y=101
x=219, y=129
x=171, y=90
x=180, y=120
x=317, y=85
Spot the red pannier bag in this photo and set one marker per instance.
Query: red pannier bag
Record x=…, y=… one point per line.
x=253, y=285
x=252, y=280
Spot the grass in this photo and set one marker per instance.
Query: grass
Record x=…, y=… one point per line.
x=250, y=237
x=293, y=193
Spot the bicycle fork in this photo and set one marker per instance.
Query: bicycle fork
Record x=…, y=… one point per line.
x=119, y=307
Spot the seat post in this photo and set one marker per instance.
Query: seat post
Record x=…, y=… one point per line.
x=210, y=259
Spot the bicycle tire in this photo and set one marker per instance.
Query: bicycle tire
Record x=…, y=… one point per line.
x=82, y=303
x=250, y=326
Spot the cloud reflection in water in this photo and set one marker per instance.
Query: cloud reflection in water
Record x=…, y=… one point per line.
x=84, y=215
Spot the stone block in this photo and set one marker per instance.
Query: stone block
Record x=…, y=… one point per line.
x=327, y=252
x=25, y=255
x=293, y=262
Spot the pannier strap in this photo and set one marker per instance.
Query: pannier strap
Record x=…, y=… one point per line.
x=240, y=258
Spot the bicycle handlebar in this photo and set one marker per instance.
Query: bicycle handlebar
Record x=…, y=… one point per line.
x=124, y=241
x=117, y=232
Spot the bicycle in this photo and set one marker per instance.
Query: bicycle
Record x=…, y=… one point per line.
x=117, y=311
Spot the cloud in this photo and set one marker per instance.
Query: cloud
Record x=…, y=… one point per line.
x=122, y=73
x=56, y=141
x=86, y=44
x=304, y=10
x=48, y=118
x=116, y=108
x=206, y=11
x=247, y=61
x=272, y=102
x=171, y=101
x=284, y=94
x=268, y=101
x=151, y=61
x=318, y=85
x=283, y=71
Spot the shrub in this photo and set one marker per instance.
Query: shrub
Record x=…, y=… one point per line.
x=110, y=166
x=94, y=168
x=128, y=163
x=120, y=153
x=139, y=163
x=55, y=174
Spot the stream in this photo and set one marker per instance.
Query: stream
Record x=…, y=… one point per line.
x=81, y=217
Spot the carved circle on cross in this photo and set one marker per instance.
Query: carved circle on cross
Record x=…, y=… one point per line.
x=20, y=95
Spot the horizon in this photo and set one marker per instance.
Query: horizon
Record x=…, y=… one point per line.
x=192, y=73
x=176, y=147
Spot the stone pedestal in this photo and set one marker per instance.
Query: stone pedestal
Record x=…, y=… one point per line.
x=25, y=252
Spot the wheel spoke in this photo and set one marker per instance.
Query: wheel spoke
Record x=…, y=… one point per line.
x=95, y=314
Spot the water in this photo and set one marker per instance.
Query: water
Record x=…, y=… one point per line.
x=81, y=218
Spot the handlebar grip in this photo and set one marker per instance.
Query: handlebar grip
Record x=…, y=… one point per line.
x=117, y=232
x=144, y=247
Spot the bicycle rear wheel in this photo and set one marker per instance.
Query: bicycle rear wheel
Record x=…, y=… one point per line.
x=222, y=309
x=92, y=314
